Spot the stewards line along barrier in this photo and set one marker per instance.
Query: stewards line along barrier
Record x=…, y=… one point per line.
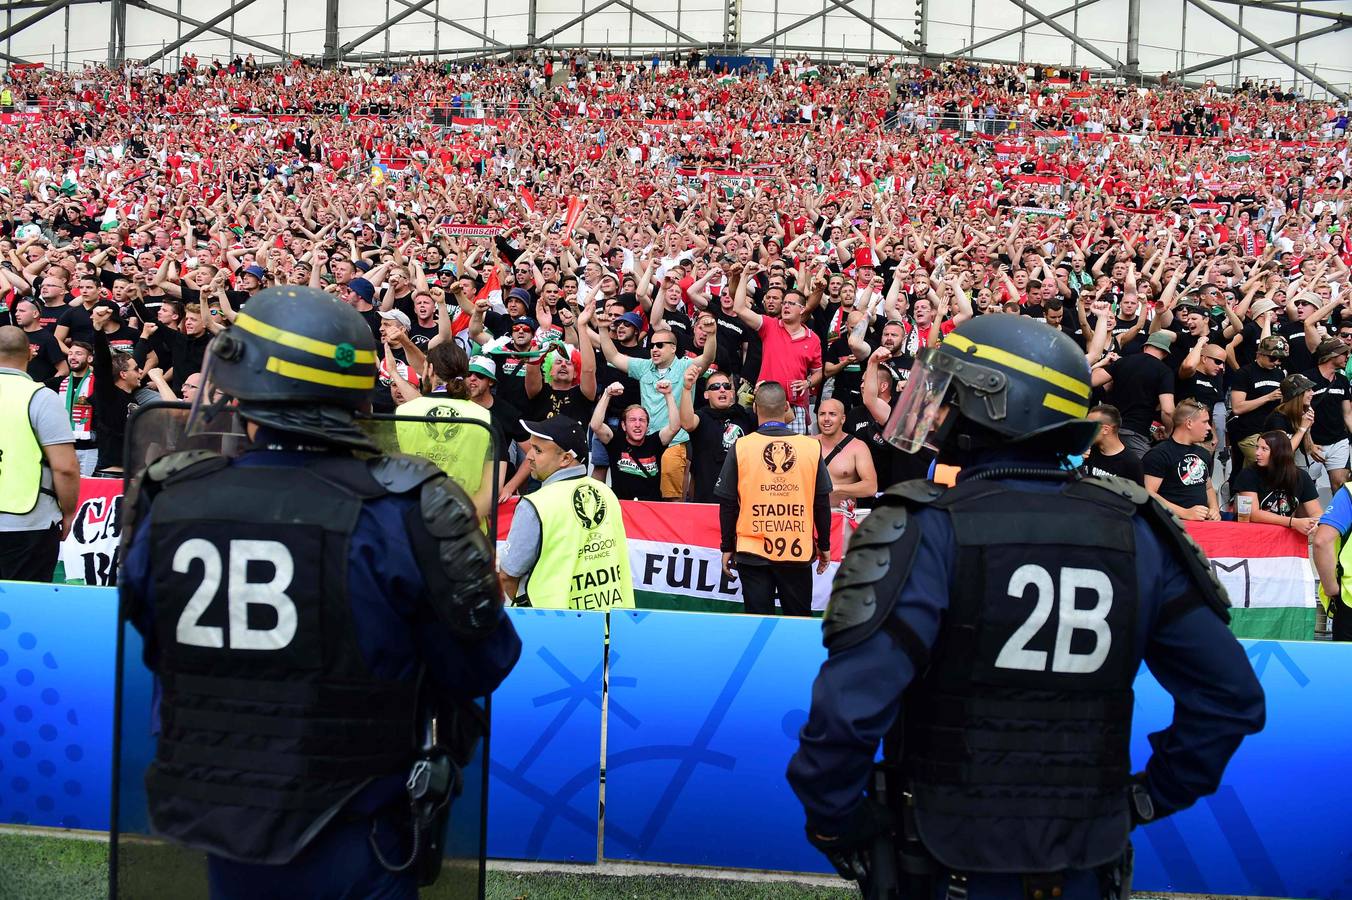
x=674, y=557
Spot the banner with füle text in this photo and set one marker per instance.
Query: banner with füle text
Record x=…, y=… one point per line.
x=675, y=560
x=676, y=563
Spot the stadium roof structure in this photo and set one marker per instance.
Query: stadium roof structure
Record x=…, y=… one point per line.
x=1299, y=43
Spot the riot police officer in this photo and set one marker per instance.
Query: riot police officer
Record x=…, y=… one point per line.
x=291, y=602
x=988, y=635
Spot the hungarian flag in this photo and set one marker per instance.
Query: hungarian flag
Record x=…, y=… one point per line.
x=492, y=291
x=1266, y=570
x=1238, y=156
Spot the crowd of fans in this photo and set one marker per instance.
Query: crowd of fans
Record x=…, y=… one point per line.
x=636, y=245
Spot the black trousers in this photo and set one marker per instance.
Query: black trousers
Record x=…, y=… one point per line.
x=791, y=581
x=1342, y=620
x=29, y=555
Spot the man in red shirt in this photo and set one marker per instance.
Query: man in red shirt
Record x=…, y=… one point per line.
x=791, y=353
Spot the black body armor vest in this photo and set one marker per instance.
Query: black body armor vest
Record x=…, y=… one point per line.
x=271, y=720
x=1016, y=740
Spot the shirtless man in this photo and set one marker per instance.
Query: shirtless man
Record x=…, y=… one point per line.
x=847, y=458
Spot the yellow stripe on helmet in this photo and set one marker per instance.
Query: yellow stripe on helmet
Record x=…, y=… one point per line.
x=319, y=376
x=298, y=341
x=1019, y=364
x=1069, y=407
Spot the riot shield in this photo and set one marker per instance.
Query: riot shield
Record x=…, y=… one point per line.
x=143, y=864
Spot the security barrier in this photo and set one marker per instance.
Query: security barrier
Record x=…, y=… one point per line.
x=702, y=716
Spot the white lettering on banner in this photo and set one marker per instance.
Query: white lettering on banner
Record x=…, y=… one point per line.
x=1266, y=582
x=90, y=553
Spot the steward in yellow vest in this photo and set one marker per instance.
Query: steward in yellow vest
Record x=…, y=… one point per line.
x=1333, y=561
x=774, y=510
x=566, y=548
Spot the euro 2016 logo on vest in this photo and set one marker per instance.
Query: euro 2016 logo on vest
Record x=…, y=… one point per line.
x=589, y=506
x=441, y=432
x=779, y=456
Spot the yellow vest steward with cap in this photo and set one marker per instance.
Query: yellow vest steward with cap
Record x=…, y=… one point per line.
x=776, y=485
x=20, y=452
x=584, y=555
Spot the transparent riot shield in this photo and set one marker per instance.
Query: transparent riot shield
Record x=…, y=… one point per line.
x=144, y=864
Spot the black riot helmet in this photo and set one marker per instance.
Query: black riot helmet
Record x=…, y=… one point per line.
x=297, y=360
x=1011, y=380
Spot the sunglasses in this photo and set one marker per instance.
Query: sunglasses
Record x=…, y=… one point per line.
x=661, y=343
x=721, y=386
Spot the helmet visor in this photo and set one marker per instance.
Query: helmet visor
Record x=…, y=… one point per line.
x=212, y=416
x=913, y=418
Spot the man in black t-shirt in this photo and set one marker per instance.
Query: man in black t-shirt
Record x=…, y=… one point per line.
x=506, y=421
x=1255, y=391
x=1142, y=386
x=1299, y=338
x=1332, y=405
x=46, y=362
x=1109, y=455
x=635, y=455
x=75, y=323
x=713, y=429
x=1178, y=470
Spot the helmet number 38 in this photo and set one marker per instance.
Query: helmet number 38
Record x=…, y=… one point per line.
x=1058, y=601
x=241, y=593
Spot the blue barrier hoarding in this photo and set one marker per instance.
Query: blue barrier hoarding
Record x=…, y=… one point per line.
x=704, y=723
x=545, y=756
x=56, y=704
x=702, y=716
x=1274, y=828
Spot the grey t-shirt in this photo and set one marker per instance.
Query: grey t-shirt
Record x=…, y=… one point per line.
x=52, y=426
x=522, y=549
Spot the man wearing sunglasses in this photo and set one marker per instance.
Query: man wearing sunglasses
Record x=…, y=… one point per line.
x=662, y=365
x=713, y=429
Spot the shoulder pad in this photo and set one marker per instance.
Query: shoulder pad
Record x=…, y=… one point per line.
x=870, y=576
x=1122, y=487
x=173, y=465
x=1117, y=493
x=456, y=558
x=917, y=491
x=399, y=473
x=1176, y=537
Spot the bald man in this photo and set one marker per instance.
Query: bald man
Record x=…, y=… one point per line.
x=847, y=459
x=40, y=491
x=773, y=509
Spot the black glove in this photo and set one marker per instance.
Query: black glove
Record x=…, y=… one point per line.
x=849, y=851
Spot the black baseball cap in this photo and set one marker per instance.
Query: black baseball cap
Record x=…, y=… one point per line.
x=570, y=435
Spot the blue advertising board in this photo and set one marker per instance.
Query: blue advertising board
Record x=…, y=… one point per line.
x=701, y=717
x=704, y=715
x=544, y=770
x=56, y=704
